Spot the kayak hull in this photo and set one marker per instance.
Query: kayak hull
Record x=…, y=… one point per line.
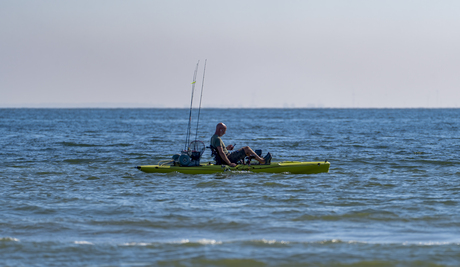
x=295, y=167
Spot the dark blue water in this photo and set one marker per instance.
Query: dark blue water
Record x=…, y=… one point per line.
x=70, y=194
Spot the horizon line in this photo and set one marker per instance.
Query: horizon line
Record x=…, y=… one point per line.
x=115, y=107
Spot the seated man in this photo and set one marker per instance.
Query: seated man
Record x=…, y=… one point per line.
x=232, y=158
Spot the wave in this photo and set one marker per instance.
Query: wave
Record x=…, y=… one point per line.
x=9, y=239
x=375, y=216
x=214, y=252
x=72, y=144
x=249, y=242
x=83, y=243
x=275, y=184
x=120, y=144
x=175, y=221
x=77, y=161
x=274, y=242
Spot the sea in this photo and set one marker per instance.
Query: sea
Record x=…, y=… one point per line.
x=70, y=194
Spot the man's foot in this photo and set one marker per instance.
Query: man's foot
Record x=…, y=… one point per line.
x=268, y=159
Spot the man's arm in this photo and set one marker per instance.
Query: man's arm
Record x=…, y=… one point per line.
x=224, y=157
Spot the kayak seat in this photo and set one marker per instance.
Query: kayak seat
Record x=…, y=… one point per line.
x=216, y=156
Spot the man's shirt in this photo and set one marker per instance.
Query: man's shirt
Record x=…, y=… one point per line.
x=217, y=142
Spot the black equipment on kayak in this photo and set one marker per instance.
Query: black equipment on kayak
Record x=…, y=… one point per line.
x=191, y=156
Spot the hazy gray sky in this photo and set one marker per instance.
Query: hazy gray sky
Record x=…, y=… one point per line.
x=260, y=53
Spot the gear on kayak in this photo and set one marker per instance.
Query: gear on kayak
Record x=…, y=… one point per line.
x=191, y=156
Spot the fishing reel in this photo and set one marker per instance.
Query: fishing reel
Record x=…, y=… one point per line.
x=191, y=156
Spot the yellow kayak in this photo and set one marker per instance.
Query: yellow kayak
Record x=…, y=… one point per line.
x=295, y=167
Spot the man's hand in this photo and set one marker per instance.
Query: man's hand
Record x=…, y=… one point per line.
x=224, y=157
x=230, y=147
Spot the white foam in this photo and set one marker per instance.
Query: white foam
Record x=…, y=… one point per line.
x=203, y=241
x=430, y=243
x=209, y=242
x=142, y=244
x=83, y=243
x=273, y=242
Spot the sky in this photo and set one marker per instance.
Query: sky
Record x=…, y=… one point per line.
x=261, y=53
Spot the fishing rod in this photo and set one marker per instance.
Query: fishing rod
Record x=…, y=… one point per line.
x=201, y=97
x=187, y=138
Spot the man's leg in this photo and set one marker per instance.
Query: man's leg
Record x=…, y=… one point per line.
x=250, y=152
